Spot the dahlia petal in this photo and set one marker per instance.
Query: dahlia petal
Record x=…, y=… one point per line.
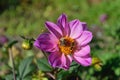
x=54, y=29
x=53, y=57
x=62, y=20
x=63, y=24
x=56, y=59
x=84, y=51
x=84, y=26
x=46, y=42
x=69, y=60
x=85, y=38
x=84, y=61
x=76, y=28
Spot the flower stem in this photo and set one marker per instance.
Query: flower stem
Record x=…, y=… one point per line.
x=51, y=75
x=12, y=61
x=45, y=55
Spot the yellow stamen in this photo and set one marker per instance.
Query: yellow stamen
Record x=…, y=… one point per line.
x=67, y=45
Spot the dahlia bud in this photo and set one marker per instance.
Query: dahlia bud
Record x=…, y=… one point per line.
x=97, y=63
x=27, y=44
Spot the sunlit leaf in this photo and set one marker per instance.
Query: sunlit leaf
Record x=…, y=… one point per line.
x=43, y=64
x=24, y=67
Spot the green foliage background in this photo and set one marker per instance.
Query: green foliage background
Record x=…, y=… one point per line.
x=27, y=18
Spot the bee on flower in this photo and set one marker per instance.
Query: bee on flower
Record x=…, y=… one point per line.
x=66, y=42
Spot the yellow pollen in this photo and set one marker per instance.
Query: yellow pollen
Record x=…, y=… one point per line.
x=67, y=45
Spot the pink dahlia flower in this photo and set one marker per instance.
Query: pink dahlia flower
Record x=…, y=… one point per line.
x=66, y=41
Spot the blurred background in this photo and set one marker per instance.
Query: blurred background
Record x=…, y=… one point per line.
x=27, y=18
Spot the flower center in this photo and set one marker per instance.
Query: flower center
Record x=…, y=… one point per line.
x=67, y=45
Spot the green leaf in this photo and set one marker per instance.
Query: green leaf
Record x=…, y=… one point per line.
x=28, y=78
x=9, y=77
x=43, y=64
x=25, y=68
x=62, y=75
x=117, y=71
